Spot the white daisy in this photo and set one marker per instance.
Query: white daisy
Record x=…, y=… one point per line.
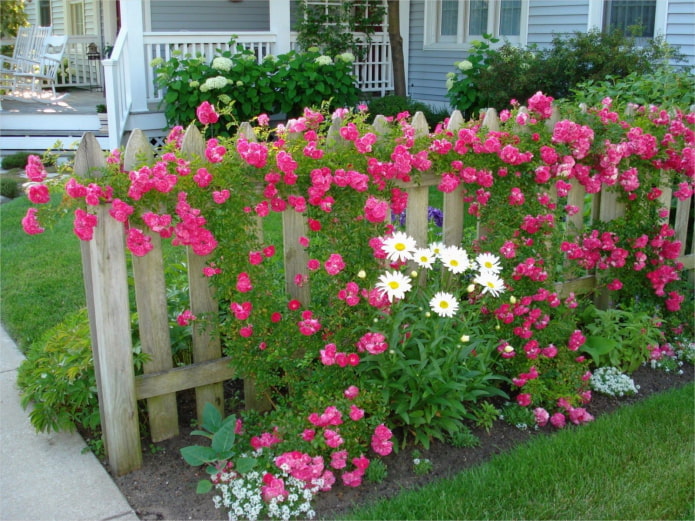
x=399, y=247
x=488, y=262
x=444, y=304
x=424, y=257
x=491, y=283
x=455, y=259
x=394, y=284
x=437, y=248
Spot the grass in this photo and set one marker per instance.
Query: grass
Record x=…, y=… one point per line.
x=40, y=275
x=636, y=463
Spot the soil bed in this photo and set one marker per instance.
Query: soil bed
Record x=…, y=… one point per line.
x=164, y=488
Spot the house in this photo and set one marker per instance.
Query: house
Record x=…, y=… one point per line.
x=129, y=34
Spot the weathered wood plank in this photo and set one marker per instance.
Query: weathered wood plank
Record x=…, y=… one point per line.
x=182, y=378
x=151, y=302
x=115, y=353
x=293, y=227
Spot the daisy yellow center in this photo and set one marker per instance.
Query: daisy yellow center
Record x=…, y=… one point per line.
x=454, y=262
x=488, y=264
x=443, y=304
x=423, y=258
x=400, y=246
x=490, y=284
x=394, y=285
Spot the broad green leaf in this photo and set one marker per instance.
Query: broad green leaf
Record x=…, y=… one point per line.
x=196, y=455
x=223, y=439
x=204, y=486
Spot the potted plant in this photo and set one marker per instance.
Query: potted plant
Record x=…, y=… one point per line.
x=103, y=118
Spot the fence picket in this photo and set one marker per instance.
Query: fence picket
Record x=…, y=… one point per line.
x=151, y=303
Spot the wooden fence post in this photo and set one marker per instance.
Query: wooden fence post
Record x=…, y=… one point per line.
x=151, y=302
x=107, y=281
x=206, y=339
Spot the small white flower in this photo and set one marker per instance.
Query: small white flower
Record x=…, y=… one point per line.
x=424, y=257
x=488, y=262
x=444, y=304
x=399, y=247
x=455, y=259
x=347, y=57
x=465, y=65
x=491, y=283
x=394, y=284
x=437, y=248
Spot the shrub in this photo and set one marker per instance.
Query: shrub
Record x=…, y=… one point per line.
x=9, y=187
x=392, y=105
x=491, y=76
x=16, y=160
x=57, y=377
x=243, y=88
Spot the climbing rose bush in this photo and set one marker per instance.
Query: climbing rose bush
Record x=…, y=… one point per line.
x=325, y=339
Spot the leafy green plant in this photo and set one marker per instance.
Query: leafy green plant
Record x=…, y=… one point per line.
x=619, y=338
x=519, y=417
x=392, y=105
x=222, y=435
x=462, y=438
x=376, y=472
x=665, y=87
x=9, y=187
x=421, y=466
x=16, y=160
x=57, y=378
x=485, y=415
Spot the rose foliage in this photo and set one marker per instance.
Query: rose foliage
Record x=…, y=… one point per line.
x=376, y=338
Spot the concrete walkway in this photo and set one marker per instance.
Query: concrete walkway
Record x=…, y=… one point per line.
x=46, y=476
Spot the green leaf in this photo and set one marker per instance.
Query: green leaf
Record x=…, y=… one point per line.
x=244, y=465
x=212, y=419
x=204, y=486
x=196, y=455
x=223, y=439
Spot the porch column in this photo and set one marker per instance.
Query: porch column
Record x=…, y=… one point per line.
x=280, y=24
x=132, y=17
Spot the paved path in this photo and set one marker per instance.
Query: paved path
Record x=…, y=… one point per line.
x=46, y=476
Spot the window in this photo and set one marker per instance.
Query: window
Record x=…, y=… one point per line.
x=45, y=13
x=452, y=23
x=632, y=17
x=76, y=14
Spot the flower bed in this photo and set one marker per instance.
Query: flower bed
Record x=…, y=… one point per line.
x=383, y=336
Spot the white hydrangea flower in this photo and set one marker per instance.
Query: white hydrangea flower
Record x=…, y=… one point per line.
x=222, y=64
x=324, y=60
x=465, y=65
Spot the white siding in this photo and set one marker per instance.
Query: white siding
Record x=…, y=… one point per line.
x=680, y=27
x=210, y=15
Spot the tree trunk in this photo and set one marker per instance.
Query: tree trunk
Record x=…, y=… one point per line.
x=396, y=41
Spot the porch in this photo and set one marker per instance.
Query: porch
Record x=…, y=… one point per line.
x=26, y=125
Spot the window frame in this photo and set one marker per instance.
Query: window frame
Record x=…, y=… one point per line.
x=73, y=25
x=461, y=41
x=597, y=10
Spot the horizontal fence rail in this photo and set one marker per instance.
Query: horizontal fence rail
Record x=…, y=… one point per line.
x=106, y=284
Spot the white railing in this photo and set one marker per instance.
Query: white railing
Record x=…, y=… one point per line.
x=77, y=69
x=164, y=45
x=118, y=94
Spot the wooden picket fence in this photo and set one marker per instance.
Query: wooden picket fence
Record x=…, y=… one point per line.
x=106, y=285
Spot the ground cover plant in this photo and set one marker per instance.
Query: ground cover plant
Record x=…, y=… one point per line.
x=465, y=322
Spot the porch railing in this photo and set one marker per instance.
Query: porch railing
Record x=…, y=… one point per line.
x=118, y=94
x=77, y=69
x=373, y=73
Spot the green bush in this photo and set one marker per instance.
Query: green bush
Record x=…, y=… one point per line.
x=9, y=187
x=490, y=76
x=666, y=87
x=16, y=160
x=242, y=88
x=392, y=105
x=57, y=377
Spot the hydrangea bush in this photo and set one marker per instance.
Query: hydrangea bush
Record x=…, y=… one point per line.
x=396, y=340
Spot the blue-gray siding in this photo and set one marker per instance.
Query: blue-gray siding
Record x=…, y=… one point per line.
x=548, y=17
x=210, y=15
x=680, y=27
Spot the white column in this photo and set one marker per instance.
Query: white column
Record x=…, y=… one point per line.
x=132, y=20
x=280, y=24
